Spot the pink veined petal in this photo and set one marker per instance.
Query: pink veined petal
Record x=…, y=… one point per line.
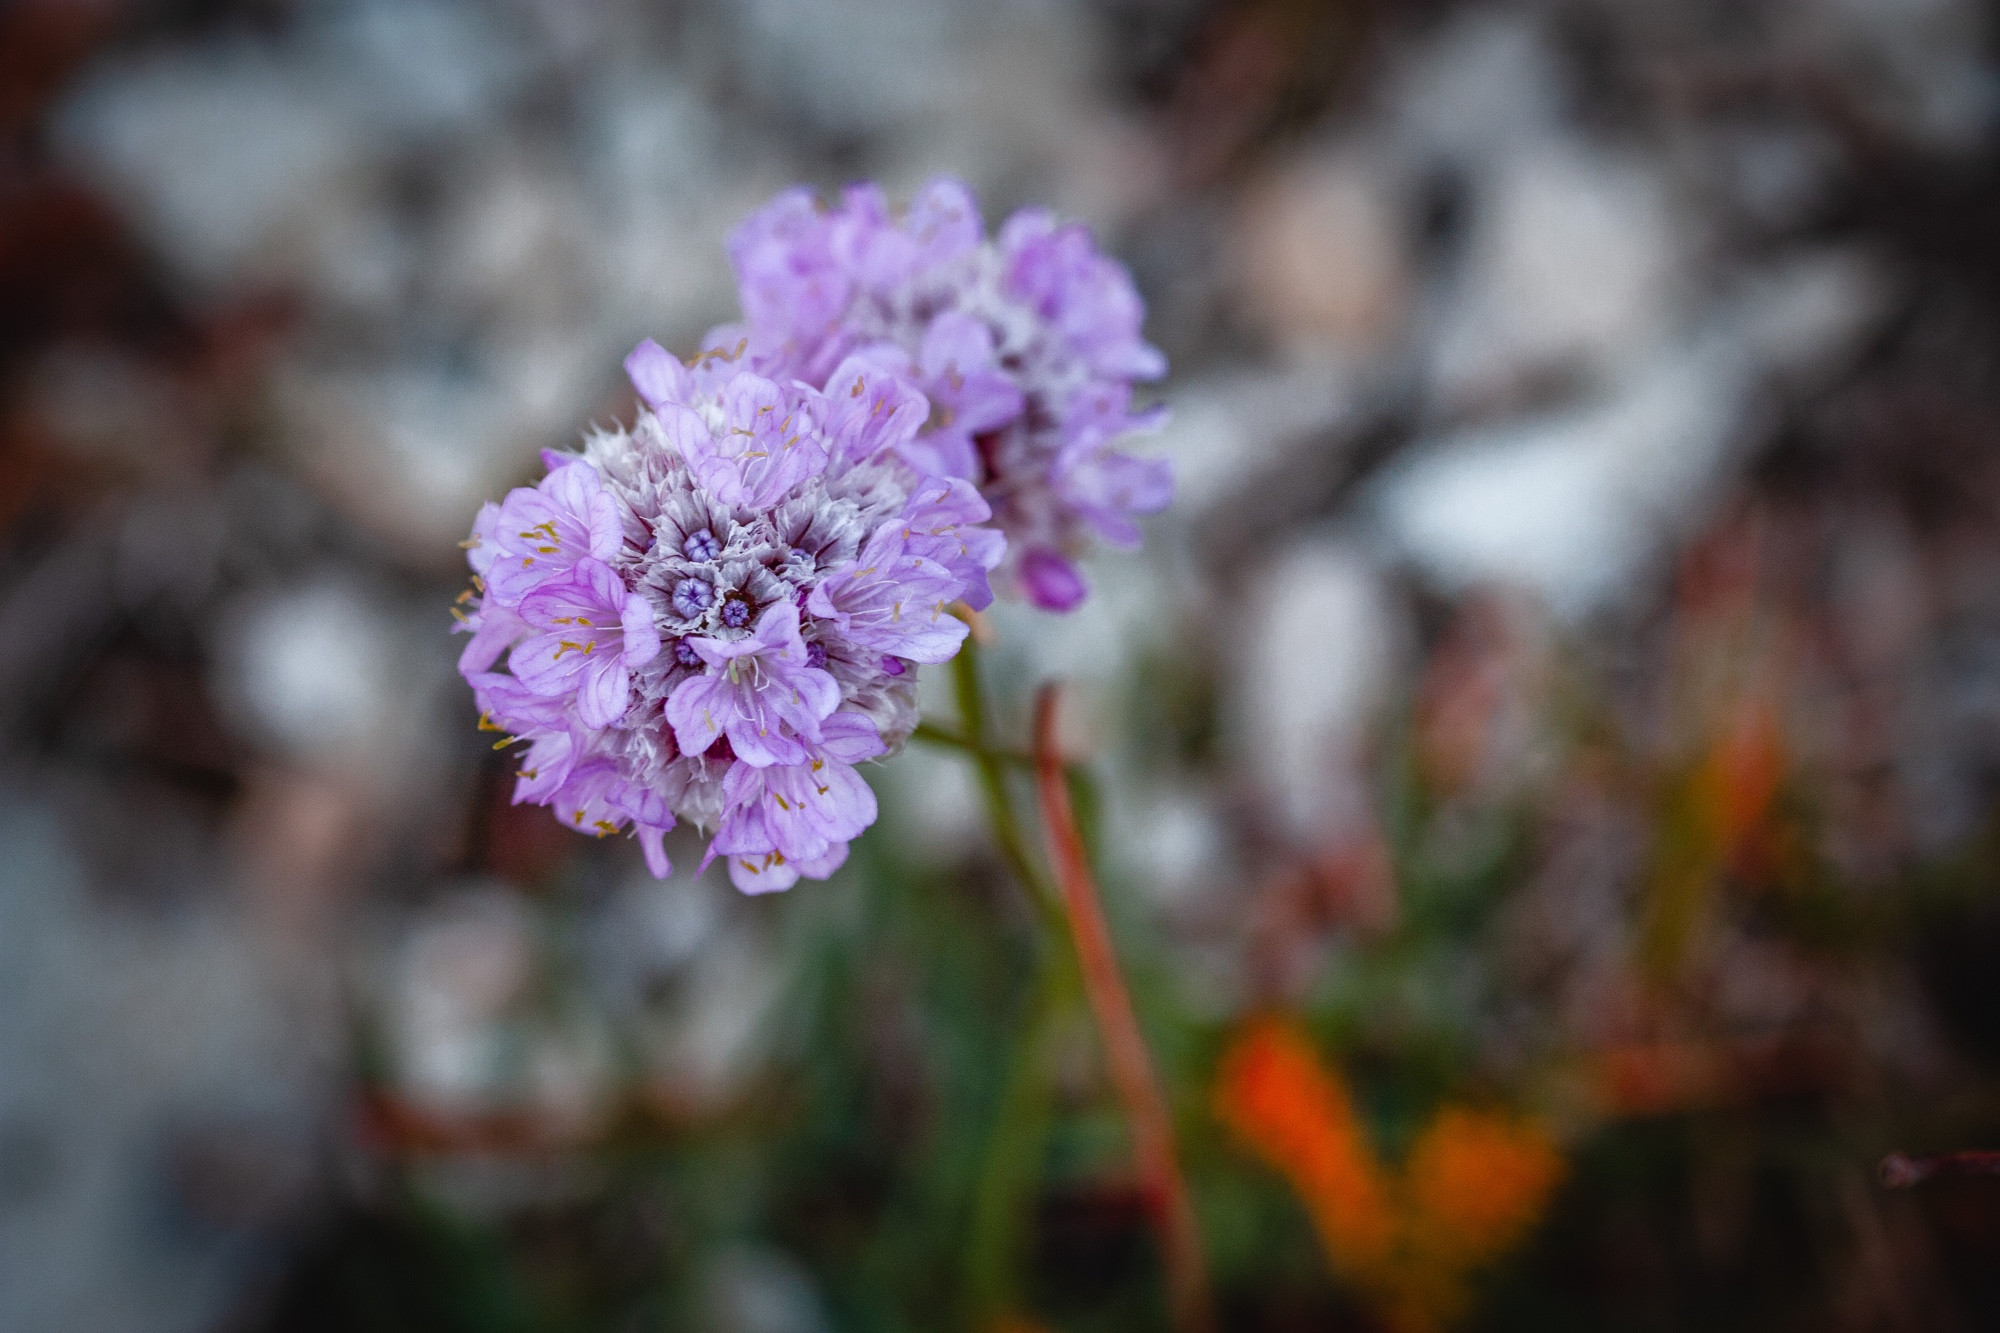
x=697, y=711
x=652, y=842
x=546, y=664
x=851, y=738
x=642, y=636
x=759, y=743
x=656, y=375
x=605, y=688
x=495, y=632
x=768, y=873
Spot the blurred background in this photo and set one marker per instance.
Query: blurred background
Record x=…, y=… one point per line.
x=1543, y=768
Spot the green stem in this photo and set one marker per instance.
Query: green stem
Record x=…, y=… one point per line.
x=993, y=790
x=1007, y=1174
x=936, y=733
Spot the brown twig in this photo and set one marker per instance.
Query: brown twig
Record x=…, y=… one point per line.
x=1900, y=1170
x=1131, y=1065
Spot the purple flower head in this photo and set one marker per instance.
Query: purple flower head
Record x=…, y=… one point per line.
x=786, y=542
x=1025, y=347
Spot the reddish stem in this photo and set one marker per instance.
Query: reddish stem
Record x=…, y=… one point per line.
x=1111, y=1004
x=1900, y=1170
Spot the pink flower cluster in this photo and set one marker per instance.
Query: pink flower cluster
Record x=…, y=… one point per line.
x=716, y=613
x=1026, y=345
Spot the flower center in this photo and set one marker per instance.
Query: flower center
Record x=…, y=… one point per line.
x=735, y=611
x=701, y=545
x=692, y=597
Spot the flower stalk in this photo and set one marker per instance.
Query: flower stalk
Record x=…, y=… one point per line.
x=1131, y=1065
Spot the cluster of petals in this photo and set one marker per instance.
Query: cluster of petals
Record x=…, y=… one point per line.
x=715, y=614
x=1025, y=346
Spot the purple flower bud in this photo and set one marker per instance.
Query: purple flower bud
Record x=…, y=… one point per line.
x=735, y=613
x=691, y=598
x=685, y=654
x=816, y=655
x=1050, y=581
x=701, y=545
x=893, y=666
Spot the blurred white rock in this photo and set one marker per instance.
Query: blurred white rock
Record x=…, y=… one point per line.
x=1322, y=254
x=408, y=452
x=236, y=157
x=339, y=679
x=704, y=1047
x=1486, y=81
x=935, y=798
x=1173, y=842
x=1315, y=647
x=1573, y=504
x=119, y=1028
x=847, y=66
x=457, y=976
x=1572, y=264
x=1231, y=431
x=1924, y=65
x=756, y=1289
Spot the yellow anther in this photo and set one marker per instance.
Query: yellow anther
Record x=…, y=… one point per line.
x=504, y=742
x=818, y=764
x=459, y=616
x=468, y=543
x=463, y=598
x=604, y=827
x=486, y=722
x=783, y=804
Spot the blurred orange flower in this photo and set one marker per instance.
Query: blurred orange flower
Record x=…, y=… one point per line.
x=1475, y=1183
x=1275, y=1096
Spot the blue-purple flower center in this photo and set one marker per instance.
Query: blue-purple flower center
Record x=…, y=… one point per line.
x=735, y=612
x=685, y=654
x=701, y=545
x=691, y=598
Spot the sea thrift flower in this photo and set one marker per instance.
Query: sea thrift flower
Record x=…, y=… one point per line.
x=714, y=615
x=1025, y=345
